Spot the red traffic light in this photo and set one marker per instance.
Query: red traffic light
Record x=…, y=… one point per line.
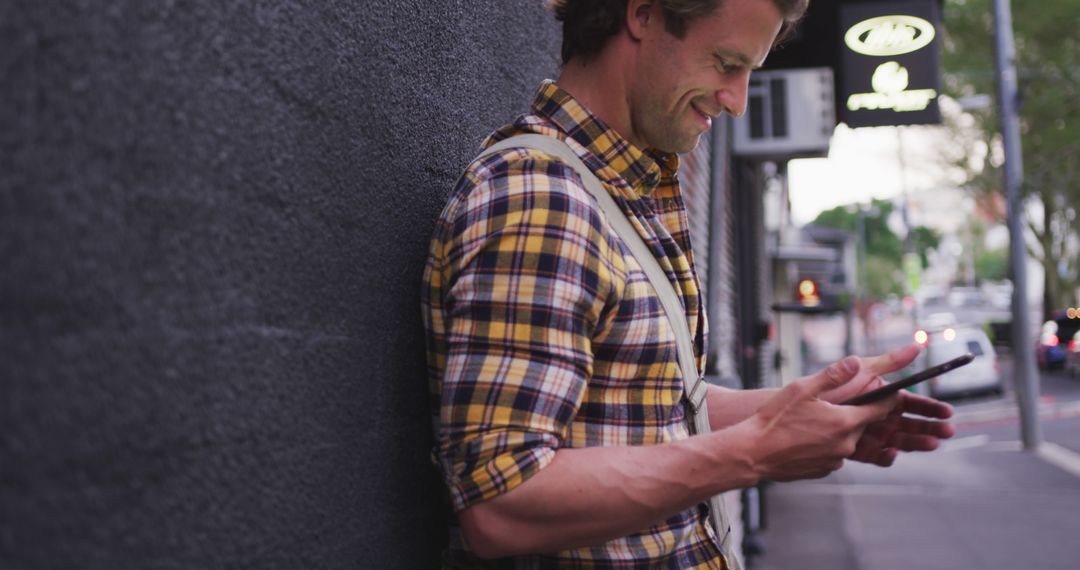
x=807, y=293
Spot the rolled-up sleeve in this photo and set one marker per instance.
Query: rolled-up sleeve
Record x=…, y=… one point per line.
x=527, y=272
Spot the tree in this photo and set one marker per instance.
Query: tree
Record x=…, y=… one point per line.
x=1048, y=54
x=992, y=265
x=924, y=239
x=884, y=249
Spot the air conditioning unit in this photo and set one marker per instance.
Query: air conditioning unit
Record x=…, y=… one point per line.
x=789, y=113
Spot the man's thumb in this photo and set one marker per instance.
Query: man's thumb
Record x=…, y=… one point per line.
x=836, y=375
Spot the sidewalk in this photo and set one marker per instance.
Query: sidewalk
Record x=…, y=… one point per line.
x=969, y=505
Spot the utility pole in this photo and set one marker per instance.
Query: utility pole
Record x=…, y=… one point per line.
x=862, y=289
x=1027, y=378
x=909, y=244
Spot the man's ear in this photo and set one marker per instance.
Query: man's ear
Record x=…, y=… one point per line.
x=640, y=16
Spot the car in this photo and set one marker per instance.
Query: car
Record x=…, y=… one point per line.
x=934, y=322
x=982, y=375
x=1052, y=346
x=1072, y=357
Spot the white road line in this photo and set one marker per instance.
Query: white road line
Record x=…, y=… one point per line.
x=1011, y=446
x=1059, y=456
x=962, y=443
x=864, y=489
x=1046, y=410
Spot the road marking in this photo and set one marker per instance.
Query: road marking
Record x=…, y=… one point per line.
x=1015, y=445
x=863, y=489
x=1007, y=411
x=1059, y=456
x=963, y=443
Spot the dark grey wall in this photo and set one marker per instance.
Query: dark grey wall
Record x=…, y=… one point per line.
x=213, y=217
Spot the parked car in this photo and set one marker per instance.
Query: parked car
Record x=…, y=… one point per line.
x=1053, y=345
x=981, y=376
x=1072, y=357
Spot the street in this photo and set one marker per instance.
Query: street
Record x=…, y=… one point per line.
x=995, y=420
x=978, y=502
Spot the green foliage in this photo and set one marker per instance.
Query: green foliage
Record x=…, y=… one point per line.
x=884, y=252
x=883, y=277
x=879, y=239
x=925, y=239
x=840, y=217
x=992, y=265
x=1048, y=57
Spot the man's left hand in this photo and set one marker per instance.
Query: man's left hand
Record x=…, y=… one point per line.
x=919, y=431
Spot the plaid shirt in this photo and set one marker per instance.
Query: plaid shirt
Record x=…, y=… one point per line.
x=543, y=332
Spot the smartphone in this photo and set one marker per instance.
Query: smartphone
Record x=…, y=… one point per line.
x=892, y=387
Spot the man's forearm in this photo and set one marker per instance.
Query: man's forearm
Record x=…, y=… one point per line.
x=728, y=407
x=592, y=495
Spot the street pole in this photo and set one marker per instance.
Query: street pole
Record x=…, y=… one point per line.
x=862, y=289
x=909, y=241
x=1027, y=379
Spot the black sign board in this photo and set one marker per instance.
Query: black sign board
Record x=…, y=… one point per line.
x=891, y=63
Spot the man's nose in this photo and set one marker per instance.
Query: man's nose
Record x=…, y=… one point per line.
x=732, y=96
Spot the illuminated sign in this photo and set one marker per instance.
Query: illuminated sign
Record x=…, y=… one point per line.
x=890, y=83
x=890, y=63
x=889, y=35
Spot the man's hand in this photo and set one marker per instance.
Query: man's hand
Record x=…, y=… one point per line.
x=798, y=435
x=871, y=370
x=882, y=441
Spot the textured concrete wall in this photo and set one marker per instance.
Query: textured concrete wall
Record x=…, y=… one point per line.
x=213, y=217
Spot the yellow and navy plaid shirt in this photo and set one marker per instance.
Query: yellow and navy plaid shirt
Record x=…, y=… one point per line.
x=543, y=332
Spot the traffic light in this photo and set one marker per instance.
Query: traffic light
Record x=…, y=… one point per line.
x=808, y=294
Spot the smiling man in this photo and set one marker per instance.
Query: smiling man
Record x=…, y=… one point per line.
x=564, y=433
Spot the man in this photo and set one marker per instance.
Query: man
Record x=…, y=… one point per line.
x=558, y=403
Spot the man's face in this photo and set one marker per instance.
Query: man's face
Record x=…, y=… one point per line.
x=682, y=84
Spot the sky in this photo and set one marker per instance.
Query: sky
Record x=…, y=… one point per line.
x=862, y=164
x=865, y=163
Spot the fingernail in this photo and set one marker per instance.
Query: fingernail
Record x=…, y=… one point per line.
x=850, y=364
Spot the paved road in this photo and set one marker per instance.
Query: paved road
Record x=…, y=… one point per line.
x=998, y=418
x=979, y=502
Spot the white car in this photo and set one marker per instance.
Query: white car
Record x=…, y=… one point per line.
x=981, y=375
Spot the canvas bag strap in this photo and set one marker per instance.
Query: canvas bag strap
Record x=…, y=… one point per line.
x=694, y=384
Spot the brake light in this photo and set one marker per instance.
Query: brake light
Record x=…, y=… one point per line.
x=921, y=337
x=1050, y=340
x=1073, y=346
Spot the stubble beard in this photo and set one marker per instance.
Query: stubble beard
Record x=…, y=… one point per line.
x=666, y=133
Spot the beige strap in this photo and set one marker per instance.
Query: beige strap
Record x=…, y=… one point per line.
x=694, y=384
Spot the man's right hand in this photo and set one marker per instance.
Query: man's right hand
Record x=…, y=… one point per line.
x=797, y=435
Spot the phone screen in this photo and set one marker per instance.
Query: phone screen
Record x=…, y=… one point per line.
x=892, y=387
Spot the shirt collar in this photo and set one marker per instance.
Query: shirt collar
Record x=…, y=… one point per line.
x=642, y=170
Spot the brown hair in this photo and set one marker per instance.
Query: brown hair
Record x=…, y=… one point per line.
x=589, y=24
